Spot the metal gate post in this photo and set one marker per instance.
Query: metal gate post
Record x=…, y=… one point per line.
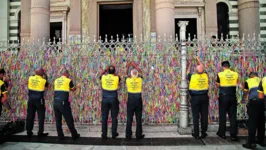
x=183, y=121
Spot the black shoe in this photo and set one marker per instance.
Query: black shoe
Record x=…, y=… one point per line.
x=203, y=135
x=128, y=137
x=104, y=137
x=262, y=144
x=114, y=136
x=60, y=138
x=249, y=146
x=140, y=137
x=195, y=136
x=221, y=136
x=43, y=134
x=76, y=136
x=29, y=134
x=234, y=138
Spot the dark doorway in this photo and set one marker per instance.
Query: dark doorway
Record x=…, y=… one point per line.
x=55, y=31
x=223, y=20
x=116, y=19
x=19, y=26
x=191, y=27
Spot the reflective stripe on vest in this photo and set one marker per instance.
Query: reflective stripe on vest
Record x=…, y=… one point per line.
x=134, y=85
x=253, y=84
x=110, y=82
x=36, y=83
x=62, y=84
x=228, y=78
x=199, y=82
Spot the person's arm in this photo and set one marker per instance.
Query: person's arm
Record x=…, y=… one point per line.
x=260, y=91
x=46, y=77
x=217, y=81
x=245, y=95
x=199, y=62
x=188, y=68
x=103, y=72
x=4, y=93
x=135, y=66
x=72, y=86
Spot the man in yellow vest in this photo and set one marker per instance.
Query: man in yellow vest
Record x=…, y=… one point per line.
x=36, y=87
x=3, y=90
x=134, y=102
x=110, y=84
x=198, y=90
x=62, y=87
x=227, y=81
x=255, y=111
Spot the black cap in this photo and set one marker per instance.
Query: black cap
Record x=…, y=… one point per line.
x=2, y=71
x=225, y=64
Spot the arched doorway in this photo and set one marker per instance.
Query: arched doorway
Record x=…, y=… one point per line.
x=19, y=26
x=222, y=19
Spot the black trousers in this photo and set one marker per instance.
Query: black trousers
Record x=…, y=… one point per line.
x=134, y=105
x=0, y=107
x=33, y=106
x=227, y=104
x=107, y=104
x=200, y=107
x=62, y=108
x=256, y=121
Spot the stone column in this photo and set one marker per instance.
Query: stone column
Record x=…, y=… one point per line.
x=75, y=18
x=146, y=19
x=248, y=12
x=165, y=22
x=25, y=20
x=211, y=17
x=4, y=20
x=40, y=19
x=183, y=120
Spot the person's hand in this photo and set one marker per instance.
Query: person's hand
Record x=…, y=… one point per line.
x=6, y=79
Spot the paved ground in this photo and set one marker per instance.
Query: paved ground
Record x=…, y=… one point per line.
x=157, y=138
x=41, y=146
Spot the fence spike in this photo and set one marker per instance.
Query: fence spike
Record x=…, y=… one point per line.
x=189, y=39
x=159, y=38
x=176, y=37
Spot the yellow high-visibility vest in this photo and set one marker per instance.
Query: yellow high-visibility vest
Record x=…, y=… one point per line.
x=62, y=84
x=228, y=78
x=253, y=83
x=134, y=85
x=199, y=82
x=110, y=82
x=36, y=83
x=263, y=86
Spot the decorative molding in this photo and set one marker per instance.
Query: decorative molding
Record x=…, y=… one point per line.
x=189, y=3
x=56, y=1
x=186, y=13
x=59, y=8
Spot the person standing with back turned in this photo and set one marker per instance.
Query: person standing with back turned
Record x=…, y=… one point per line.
x=62, y=87
x=110, y=84
x=198, y=90
x=134, y=102
x=36, y=87
x=227, y=82
x=255, y=111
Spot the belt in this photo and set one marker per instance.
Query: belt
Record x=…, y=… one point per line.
x=253, y=99
x=227, y=94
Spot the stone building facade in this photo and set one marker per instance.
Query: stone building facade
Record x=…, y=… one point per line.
x=28, y=19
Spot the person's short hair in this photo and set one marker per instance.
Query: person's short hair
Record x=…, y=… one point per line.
x=253, y=74
x=111, y=70
x=65, y=72
x=226, y=64
x=2, y=71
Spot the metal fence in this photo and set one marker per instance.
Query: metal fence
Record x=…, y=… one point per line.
x=160, y=62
